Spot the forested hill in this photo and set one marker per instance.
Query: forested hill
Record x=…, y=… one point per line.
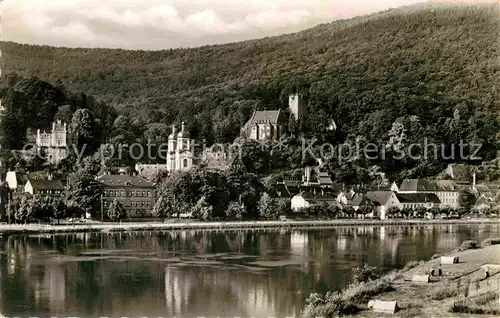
x=365, y=72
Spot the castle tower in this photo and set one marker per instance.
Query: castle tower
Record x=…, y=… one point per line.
x=297, y=104
x=184, y=156
x=172, y=150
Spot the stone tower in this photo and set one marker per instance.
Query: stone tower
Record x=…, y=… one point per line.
x=297, y=103
x=184, y=155
x=172, y=150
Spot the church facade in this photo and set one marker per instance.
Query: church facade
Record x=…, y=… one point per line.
x=273, y=124
x=180, y=152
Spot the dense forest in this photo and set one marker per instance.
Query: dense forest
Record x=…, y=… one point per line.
x=391, y=78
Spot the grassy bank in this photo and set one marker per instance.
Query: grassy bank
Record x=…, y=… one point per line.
x=462, y=289
x=195, y=225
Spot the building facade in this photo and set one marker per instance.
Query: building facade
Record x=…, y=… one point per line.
x=273, y=124
x=56, y=143
x=180, y=152
x=446, y=190
x=51, y=188
x=137, y=195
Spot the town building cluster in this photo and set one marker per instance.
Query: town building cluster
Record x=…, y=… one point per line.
x=137, y=191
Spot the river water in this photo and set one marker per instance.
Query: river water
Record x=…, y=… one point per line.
x=203, y=274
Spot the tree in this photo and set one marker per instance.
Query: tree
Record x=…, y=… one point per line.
x=26, y=210
x=59, y=209
x=365, y=210
x=83, y=193
x=268, y=207
x=349, y=211
x=435, y=211
x=235, y=210
x=393, y=211
x=116, y=211
x=162, y=208
x=202, y=210
x=82, y=123
x=466, y=199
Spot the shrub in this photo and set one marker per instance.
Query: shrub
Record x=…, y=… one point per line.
x=365, y=273
x=468, y=245
x=344, y=303
x=490, y=241
x=441, y=293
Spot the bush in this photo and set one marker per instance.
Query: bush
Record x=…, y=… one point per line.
x=365, y=273
x=443, y=292
x=490, y=241
x=344, y=303
x=468, y=245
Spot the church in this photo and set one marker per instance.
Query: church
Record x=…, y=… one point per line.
x=273, y=124
x=180, y=154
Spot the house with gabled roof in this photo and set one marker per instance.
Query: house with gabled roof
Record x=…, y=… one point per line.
x=309, y=198
x=446, y=190
x=415, y=200
x=52, y=188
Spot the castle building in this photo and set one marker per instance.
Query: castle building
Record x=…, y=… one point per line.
x=272, y=124
x=56, y=143
x=180, y=154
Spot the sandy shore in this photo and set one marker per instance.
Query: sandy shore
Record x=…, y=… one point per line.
x=190, y=225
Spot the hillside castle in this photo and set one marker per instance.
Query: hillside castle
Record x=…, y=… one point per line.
x=55, y=143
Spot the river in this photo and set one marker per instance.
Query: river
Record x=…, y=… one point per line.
x=200, y=273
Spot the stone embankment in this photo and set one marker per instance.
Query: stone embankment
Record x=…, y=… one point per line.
x=196, y=225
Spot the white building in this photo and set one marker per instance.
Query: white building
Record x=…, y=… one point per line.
x=446, y=190
x=180, y=154
x=56, y=143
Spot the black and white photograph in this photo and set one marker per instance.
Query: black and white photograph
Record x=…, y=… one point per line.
x=249, y=158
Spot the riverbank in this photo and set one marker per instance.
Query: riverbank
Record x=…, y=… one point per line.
x=462, y=290
x=217, y=226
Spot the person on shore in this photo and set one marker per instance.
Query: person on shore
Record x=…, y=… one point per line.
x=432, y=271
x=486, y=272
x=440, y=271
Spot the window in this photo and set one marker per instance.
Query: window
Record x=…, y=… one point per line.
x=149, y=193
x=132, y=203
x=122, y=193
x=185, y=163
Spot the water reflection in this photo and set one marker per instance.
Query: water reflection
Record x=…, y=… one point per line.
x=201, y=273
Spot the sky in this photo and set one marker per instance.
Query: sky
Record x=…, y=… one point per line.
x=163, y=24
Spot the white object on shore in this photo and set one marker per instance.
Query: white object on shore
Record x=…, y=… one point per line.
x=420, y=279
x=449, y=260
x=388, y=307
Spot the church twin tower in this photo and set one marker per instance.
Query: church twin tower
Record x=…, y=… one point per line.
x=180, y=156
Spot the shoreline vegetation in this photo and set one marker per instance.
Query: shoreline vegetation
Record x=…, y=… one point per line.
x=6, y=229
x=462, y=289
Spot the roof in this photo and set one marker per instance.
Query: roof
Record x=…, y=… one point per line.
x=317, y=197
x=360, y=199
x=46, y=184
x=265, y=116
x=115, y=180
x=428, y=185
x=324, y=178
x=417, y=198
x=380, y=197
